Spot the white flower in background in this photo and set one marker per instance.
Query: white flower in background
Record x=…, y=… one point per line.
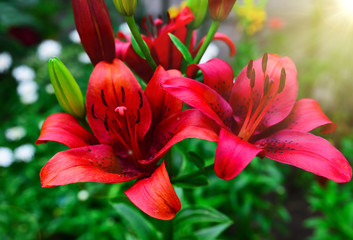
x=48, y=49
x=28, y=92
x=74, y=37
x=5, y=61
x=211, y=52
x=6, y=157
x=83, y=58
x=23, y=73
x=25, y=152
x=124, y=28
x=83, y=195
x=49, y=88
x=15, y=133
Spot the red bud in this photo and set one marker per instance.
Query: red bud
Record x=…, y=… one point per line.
x=220, y=9
x=95, y=29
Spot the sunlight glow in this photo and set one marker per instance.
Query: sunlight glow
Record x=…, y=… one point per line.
x=346, y=6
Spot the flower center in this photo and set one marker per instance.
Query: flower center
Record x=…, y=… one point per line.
x=269, y=94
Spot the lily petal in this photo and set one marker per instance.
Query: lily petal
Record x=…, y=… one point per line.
x=96, y=163
x=155, y=195
x=200, y=96
x=162, y=103
x=232, y=155
x=64, y=128
x=308, y=152
x=217, y=74
x=306, y=116
x=186, y=124
x=282, y=104
x=111, y=86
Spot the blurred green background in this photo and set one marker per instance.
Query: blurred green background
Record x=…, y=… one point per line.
x=267, y=200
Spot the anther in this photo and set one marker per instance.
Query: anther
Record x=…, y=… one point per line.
x=106, y=122
x=122, y=94
x=249, y=70
x=103, y=98
x=138, y=116
x=252, y=79
x=141, y=102
x=121, y=110
x=92, y=110
x=282, y=82
x=266, y=84
x=264, y=62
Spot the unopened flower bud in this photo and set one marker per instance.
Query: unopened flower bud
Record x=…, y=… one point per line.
x=126, y=7
x=66, y=89
x=220, y=9
x=95, y=29
x=199, y=9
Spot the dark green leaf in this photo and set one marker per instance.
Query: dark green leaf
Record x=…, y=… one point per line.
x=191, y=215
x=212, y=232
x=197, y=160
x=191, y=182
x=140, y=225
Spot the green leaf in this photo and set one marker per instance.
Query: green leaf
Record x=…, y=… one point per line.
x=191, y=215
x=139, y=224
x=137, y=48
x=212, y=232
x=191, y=182
x=197, y=160
x=182, y=48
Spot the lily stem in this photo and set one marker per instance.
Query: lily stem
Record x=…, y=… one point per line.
x=130, y=20
x=209, y=37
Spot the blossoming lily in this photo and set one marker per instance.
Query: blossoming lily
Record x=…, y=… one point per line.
x=259, y=116
x=132, y=130
x=161, y=47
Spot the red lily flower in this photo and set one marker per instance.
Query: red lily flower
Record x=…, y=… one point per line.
x=161, y=47
x=132, y=130
x=95, y=29
x=259, y=115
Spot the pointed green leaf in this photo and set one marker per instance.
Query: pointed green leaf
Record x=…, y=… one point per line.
x=139, y=224
x=136, y=47
x=182, y=48
x=191, y=215
x=211, y=233
x=191, y=182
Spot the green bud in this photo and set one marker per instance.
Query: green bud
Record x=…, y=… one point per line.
x=66, y=89
x=199, y=9
x=126, y=7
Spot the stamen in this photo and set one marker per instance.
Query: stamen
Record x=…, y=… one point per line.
x=92, y=110
x=138, y=116
x=106, y=122
x=282, y=83
x=266, y=84
x=252, y=79
x=250, y=68
x=122, y=94
x=264, y=62
x=121, y=110
x=141, y=101
x=103, y=98
x=152, y=25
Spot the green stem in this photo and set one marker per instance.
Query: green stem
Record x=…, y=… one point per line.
x=187, y=44
x=169, y=230
x=211, y=32
x=193, y=174
x=130, y=20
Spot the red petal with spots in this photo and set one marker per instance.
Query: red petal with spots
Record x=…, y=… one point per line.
x=200, y=96
x=86, y=164
x=217, y=74
x=111, y=86
x=64, y=128
x=155, y=195
x=222, y=37
x=94, y=26
x=186, y=124
x=306, y=116
x=162, y=103
x=232, y=155
x=163, y=50
x=308, y=152
x=282, y=104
